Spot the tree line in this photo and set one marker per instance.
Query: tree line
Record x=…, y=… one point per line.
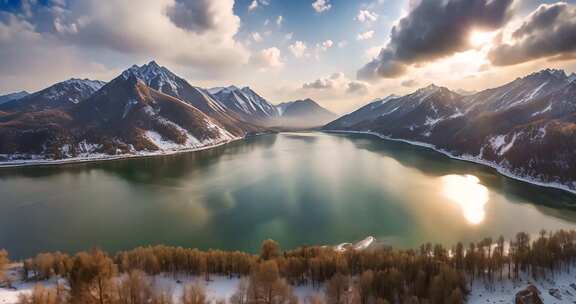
x=431, y=274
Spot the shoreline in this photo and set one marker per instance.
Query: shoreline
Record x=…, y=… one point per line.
x=500, y=170
x=104, y=157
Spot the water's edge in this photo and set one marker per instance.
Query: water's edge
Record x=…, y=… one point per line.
x=101, y=158
x=502, y=171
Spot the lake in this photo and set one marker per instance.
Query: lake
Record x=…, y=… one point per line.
x=297, y=188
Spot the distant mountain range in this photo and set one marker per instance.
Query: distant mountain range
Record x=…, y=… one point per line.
x=299, y=114
x=526, y=128
x=145, y=110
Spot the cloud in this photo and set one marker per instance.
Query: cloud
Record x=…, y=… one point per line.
x=366, y=16
x=171, y=29
x=256, y=36
x=253, y=5
x=365, y=36
x=548, y=32
x=195, y=16
x=269, y=58
x=342, y=43
x=358, y=87
x=279, y=20
x=321, y=6
x=409, y=83
x=298, y=49
x=24, y=57
x=338, y=82
x=325, y=45
x=432, y=30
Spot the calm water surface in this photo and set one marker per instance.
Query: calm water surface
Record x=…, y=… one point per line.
x=297, y=188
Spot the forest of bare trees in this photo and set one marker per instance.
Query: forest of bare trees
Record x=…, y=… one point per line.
x=430, y=274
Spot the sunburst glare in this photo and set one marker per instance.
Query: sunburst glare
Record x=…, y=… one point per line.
x=467, y=192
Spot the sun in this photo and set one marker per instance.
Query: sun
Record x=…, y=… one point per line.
x=480, y=38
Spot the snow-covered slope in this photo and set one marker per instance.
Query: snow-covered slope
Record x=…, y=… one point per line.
x=245, y=102
x=62, y=94
x=163, y=80
x=513, y=127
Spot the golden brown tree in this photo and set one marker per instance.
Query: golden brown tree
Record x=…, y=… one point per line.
x=266, y=286
x=3, y=264
x=194, y=294
x=269, y=250
x=43, y=295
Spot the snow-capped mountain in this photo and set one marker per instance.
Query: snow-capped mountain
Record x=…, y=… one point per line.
x=62, y=94
x=253, y=108
x=513, y=127
x=163, y=80
x=12, y=96
x=125, y=117
x=245, y=102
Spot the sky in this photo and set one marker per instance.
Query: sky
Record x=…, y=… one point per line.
x=341, y=53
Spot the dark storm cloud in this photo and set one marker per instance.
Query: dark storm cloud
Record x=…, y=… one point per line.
x=192, y=15
x=550, y=31
x=434, y=29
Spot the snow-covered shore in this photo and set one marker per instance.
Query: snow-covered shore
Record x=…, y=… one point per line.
x=106, y=157
x=501, y=170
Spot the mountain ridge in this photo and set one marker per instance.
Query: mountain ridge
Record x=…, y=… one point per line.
x=512, y=127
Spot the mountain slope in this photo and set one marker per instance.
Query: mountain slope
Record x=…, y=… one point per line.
x=245, y=102
x=513, y=127
x=63, y=94
x=125, y=117
x=163, y=80
x=12, y=96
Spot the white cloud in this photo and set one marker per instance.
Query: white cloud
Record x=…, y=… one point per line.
x=255, y=3
x=321, y=6
x=269, y=58
x=24, y=53
x=342, y=43
x=366, y=16
x=325, y=45
x=365, y=36
x=256, y=37
x=338, y=83
x=279, y=20
x=171, y=30
x=298, y=49
x=372, y=52
x=289, y=36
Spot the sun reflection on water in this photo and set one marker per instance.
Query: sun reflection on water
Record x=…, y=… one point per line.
x=467, y=192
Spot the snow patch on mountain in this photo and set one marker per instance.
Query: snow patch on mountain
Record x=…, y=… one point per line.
x=547, y=109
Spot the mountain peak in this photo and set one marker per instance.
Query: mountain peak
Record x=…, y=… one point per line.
x=430, y=89
x=155, y=76
x=556, y=73
x=153, y=64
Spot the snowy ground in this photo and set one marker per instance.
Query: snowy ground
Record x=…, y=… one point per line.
x=553, y=290
x=217, y=288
